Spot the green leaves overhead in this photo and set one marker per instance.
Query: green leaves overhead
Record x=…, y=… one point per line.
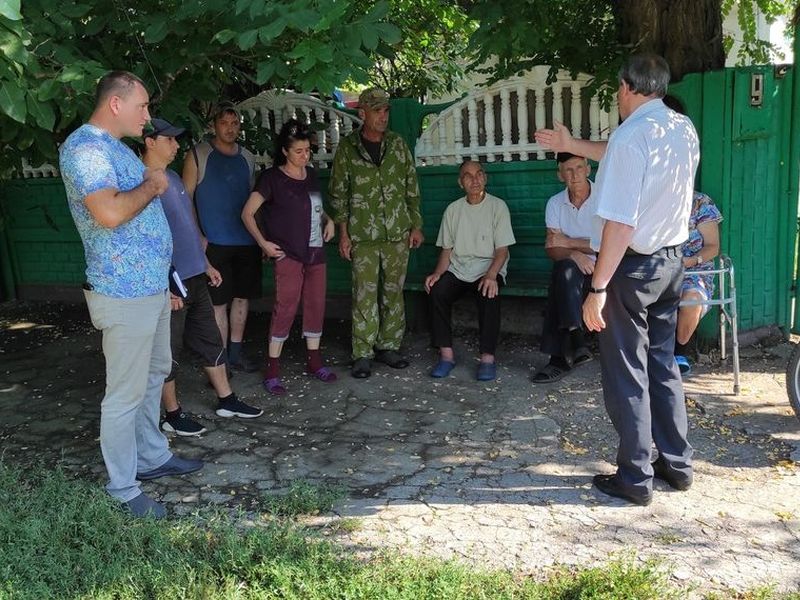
x=189, y=53
x=593, y=36
x=12, y=101
x=421, y=45
x=42, y=112
x=10, y=9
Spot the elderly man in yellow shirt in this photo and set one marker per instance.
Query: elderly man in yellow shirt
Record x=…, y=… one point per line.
x=474, y=237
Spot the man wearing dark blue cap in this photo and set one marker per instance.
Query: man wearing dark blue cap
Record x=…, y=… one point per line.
x=193, y=319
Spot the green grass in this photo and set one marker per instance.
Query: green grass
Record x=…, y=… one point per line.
x=303, y=498
x=61, y=538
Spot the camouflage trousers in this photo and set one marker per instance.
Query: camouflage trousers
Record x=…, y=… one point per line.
x=379, y=317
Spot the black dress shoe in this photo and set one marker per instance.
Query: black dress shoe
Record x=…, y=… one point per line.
x=362, y=368
x=675, y=479
x=611, y=485
x=392, y=358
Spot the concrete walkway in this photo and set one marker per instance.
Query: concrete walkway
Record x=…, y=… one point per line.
x=499, y=474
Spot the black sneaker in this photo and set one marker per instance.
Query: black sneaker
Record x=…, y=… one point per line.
x=181, y=424
x=233, y=407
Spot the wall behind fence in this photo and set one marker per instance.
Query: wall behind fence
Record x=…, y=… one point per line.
x=46, y=249
x=743, y=168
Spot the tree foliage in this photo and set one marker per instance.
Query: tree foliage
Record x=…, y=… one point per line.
x=430, y=58
x=753, y=49
x=594, y=36
x=193, y=52
x=189, y=53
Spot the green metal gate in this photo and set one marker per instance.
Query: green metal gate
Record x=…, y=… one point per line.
x=748, y=166
x=744, y=117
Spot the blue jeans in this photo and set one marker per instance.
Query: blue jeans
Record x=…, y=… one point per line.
x=136, y=347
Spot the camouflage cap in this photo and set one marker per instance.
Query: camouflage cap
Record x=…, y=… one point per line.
x=373, y=98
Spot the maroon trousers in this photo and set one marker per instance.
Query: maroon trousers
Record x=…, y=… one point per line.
x=296, y=282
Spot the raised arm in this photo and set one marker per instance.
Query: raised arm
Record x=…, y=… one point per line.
x=559, y=139
x=112, y=208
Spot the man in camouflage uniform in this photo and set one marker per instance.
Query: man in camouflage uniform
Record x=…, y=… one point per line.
x=375, y=199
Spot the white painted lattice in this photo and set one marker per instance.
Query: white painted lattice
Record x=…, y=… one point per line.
x=497, y=123
x=271, y=109
x=45, y=170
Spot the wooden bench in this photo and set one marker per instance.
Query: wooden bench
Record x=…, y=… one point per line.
x=535, y=288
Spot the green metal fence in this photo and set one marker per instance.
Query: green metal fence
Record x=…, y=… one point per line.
x=745, y=168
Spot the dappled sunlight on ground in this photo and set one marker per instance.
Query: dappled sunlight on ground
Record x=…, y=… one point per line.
x=497, y=474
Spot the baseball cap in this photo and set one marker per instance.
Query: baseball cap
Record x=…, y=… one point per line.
x=563, y=157
x=163, y=127
x=373, y=98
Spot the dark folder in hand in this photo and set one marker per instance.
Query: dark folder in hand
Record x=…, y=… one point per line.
x=176, y=285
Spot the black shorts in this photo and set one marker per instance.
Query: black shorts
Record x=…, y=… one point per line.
x=240, y=267
x=195, y=327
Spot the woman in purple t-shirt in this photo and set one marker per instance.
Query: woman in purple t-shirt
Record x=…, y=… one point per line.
x=284, y=215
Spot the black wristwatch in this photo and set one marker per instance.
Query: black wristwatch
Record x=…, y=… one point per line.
x=594, y=290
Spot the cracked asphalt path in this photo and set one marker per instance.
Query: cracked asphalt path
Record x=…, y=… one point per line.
x=498, y=475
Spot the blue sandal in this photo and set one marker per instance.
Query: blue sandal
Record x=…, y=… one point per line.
x=486, y=371
x=684, y=366
x=442, y=369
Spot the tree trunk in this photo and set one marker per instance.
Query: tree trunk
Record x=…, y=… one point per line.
x=688, y=33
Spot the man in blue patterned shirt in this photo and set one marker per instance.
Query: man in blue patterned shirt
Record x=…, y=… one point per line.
x=114, y=203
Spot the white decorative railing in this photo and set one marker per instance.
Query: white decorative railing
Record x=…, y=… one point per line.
x=494, y=124
x=274, y=108
x=497, y=123
x=45, y=170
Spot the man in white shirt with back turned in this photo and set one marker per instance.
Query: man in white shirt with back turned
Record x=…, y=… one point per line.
x=644, y=195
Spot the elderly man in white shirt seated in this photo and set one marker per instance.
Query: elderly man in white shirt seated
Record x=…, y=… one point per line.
x=474, y=237
x=569, y=216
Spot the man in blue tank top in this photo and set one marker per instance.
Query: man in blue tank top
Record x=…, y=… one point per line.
x=219, y=174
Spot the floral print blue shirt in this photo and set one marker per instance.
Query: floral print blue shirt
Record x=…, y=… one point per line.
x=703, y=211
x=128, y=261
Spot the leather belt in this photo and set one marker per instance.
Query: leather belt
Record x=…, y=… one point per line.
x=665, y=251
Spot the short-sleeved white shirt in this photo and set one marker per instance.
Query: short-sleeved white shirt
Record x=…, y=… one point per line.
x=474, y=232
x=646, y=178
x=563, y=215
